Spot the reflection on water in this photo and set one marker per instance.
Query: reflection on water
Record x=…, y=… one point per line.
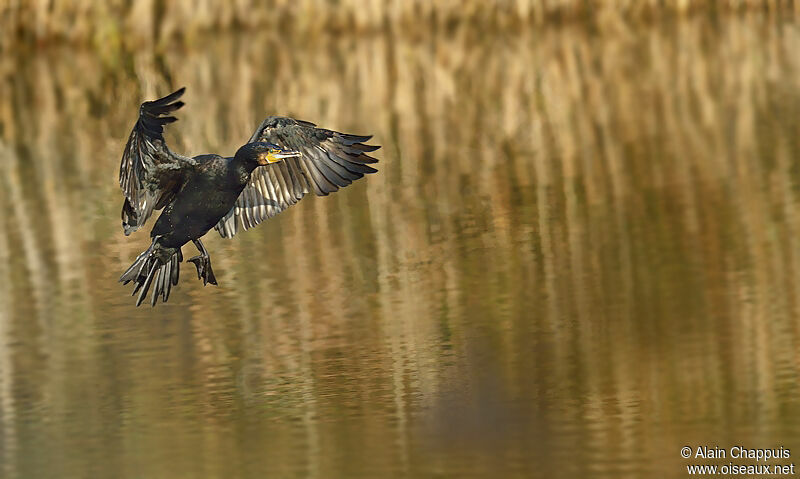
x=579, y=255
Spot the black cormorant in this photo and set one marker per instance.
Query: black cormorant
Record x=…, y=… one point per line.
x=283, y=160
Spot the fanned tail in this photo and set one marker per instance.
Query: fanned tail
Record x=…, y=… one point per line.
x=149, y=271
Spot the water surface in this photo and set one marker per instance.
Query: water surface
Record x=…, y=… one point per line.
x=580, y=254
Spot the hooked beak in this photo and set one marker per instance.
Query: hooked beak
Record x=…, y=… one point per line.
x=285, y=154
x=276, y=157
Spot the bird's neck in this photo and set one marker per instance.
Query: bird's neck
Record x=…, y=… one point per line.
x=247, y=156
x=239, y=168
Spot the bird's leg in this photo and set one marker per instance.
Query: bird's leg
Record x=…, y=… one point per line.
x=203, y=263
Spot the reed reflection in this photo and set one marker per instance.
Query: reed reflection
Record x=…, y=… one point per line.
x=580, y=249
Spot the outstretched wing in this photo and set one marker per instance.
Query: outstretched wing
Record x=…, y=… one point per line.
x=149, y=171
x=328, y=161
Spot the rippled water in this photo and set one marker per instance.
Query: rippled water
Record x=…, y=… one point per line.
x=580, y=254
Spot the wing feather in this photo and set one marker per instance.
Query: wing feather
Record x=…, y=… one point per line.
x=328, y=160
x=149, y=172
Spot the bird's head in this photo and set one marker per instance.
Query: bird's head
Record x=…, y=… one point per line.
x=262, y=153
x=267, y=153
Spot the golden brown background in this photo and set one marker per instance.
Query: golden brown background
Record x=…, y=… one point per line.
x=580, y=254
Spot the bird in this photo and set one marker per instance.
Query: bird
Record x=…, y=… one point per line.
x=284, y=160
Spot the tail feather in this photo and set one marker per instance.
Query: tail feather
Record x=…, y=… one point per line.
x=149, y=271
x=158, y=284
x=148, y=280
x=166, y=281
x=176, y=272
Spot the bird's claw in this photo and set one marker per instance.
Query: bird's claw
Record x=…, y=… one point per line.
x=204, y=270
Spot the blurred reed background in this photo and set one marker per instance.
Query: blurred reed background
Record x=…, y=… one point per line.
x=155, y=21
x=580, y=253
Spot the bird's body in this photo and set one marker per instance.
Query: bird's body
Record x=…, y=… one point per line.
x=209, y=191
x=284, y=160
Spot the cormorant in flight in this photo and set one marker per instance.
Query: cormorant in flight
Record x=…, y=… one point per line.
x=283, y=160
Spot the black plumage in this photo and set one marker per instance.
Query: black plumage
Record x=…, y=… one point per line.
x=282, y=161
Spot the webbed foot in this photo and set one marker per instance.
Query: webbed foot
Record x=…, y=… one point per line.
x=204, y=271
